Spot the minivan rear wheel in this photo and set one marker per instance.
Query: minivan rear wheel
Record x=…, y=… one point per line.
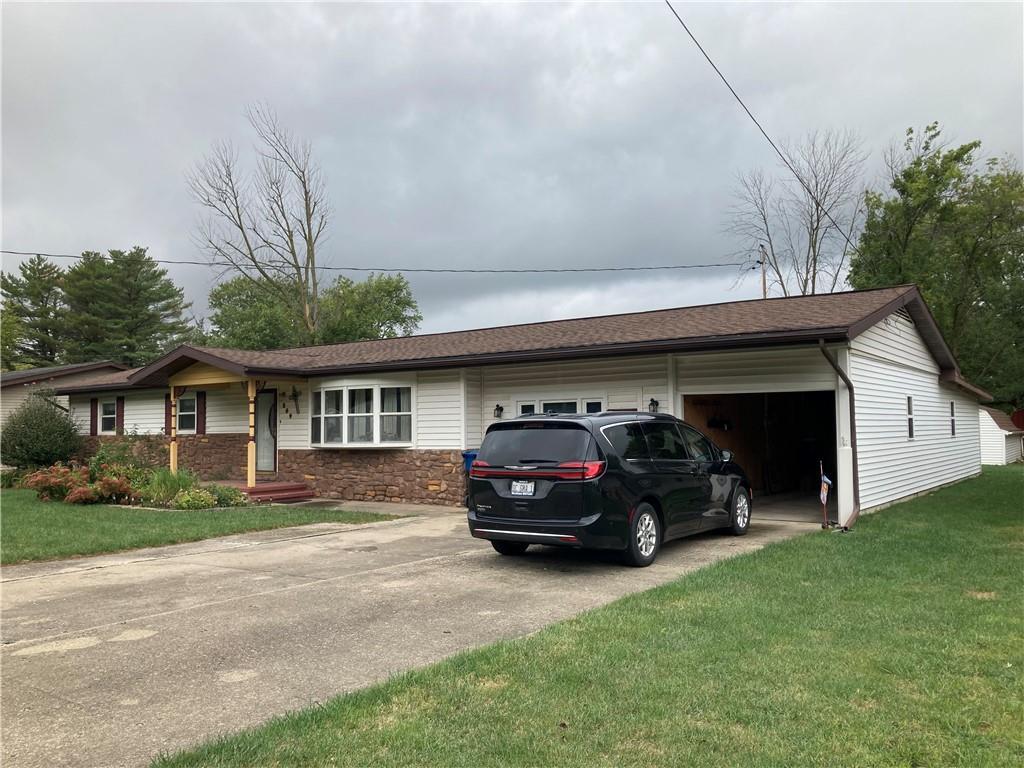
x=644, y=537
x=509, y=547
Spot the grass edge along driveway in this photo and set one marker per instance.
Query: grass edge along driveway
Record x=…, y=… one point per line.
x=896, y=644
x=32, y=530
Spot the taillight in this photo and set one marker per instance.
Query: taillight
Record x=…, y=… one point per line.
x=588, y=470
x=474, y=468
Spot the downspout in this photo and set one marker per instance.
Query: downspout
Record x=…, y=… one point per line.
x=853, y=428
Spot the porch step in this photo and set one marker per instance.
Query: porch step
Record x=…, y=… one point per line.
x=279, y=492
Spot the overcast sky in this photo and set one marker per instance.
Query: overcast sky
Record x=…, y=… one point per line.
x=478, y=135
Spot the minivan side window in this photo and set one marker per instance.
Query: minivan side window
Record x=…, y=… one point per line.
x=628, y=441
x=665, y=442
x=700, y=447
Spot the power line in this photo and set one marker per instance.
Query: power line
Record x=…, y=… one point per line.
x=764, y=133
x=432, y=270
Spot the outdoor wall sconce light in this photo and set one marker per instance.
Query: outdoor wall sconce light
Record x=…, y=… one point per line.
x=294, y=397
x=498, y=410
x=653, y=406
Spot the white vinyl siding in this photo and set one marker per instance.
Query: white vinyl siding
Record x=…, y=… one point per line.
x=473, y=407
x=292, y=414
x=620, y=383
x=227, y=410
x=438, y=415
x=998, y=447
x=888, y=363
x=143, y=411
x=792, y=369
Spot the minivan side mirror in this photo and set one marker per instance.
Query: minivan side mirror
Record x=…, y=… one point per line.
x=726, y=455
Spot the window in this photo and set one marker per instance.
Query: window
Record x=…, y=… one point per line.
x=527, y=409
x=952, y=419
x=628, y=441
x=910, y=417
x=361, y=416
x=108, y=416
x=187, y=414
x=396, y=415
x=665, y=442
x=593, y=406
x=698, y=446
x=568, y=406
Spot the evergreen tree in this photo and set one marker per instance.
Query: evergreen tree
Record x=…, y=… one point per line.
x=34, y=300
x=122, y=307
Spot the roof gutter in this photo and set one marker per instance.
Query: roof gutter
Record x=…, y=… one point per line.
x=853, y=428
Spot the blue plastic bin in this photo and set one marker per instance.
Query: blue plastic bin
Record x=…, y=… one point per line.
x=468, y=457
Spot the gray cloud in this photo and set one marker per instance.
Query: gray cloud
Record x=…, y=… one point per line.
x=473, y=135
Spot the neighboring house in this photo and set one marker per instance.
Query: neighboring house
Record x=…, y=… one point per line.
x=1002, y=441
x=387, y=419
x=16, y=386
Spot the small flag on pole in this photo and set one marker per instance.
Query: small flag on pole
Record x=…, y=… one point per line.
x=825, y=485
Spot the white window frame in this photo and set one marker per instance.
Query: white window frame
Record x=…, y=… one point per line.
x=112, y=417
x=911, y=431
x=581, y=404
x=375, y=415
x=952, y=419
x=194, y=413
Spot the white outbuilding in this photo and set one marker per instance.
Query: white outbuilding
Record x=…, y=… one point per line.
x=1002, y=441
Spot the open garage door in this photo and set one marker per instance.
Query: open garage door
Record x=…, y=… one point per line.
x=780, y=439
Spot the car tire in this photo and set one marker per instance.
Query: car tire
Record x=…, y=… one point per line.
x=510, y=548
x=739, y=519
x=644, y=537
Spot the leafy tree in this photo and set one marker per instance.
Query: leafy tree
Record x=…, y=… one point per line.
x=380, y=307
x=956, y=228
x=38, y=434
x=34, y=300
x=12, y=332
x=245, y=315
x=121, y=307
x=249, y=316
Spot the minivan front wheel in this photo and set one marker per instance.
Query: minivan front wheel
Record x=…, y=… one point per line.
x=644, y=537
x=509, y=547
x=740, y=512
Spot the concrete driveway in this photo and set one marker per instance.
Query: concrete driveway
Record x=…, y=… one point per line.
x=109, y=660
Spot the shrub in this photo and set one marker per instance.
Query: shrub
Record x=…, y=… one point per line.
x=83, y=494
x=113, y=488
x=164, y=485
x=39, y=434
x=10, y=478
x=194, y=498
x=56, y=482
x=227, y=496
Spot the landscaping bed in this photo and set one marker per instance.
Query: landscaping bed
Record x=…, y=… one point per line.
x=895, y=644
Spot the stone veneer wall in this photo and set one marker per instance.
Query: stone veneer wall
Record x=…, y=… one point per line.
x=212, y=457
x=407, y=475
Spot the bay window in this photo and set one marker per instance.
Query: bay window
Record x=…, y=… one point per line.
x=360, y=416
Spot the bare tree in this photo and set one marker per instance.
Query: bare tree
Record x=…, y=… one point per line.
x=803, y=227
x=268, y=224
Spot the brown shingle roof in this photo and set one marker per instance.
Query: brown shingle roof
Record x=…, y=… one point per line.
x=1002, y=419
x=53, y=372
x=775, y=317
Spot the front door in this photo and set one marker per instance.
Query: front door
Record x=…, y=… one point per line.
x=266, y=430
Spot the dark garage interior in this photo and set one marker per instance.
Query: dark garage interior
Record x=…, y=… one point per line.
x=779, y=439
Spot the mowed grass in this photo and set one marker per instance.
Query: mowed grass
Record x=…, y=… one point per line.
x=44, y=530
x=899, y=644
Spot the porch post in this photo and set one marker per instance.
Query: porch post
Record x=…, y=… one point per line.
x=250, y=473
x=844, y=447
x=174, y=432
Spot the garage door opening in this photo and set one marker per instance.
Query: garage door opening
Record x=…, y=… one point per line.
x=779, y=438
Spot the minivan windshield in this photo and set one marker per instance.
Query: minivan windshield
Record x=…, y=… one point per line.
x=535, y=443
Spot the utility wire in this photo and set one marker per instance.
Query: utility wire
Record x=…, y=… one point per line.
x=764, y=133
x=445, y=270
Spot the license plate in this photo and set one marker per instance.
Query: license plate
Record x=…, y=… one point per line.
x=522, y=487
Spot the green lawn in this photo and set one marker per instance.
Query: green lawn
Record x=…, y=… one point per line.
x=44, y=530
x=897, y=644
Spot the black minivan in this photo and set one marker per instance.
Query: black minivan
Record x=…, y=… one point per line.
x=620, y=481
